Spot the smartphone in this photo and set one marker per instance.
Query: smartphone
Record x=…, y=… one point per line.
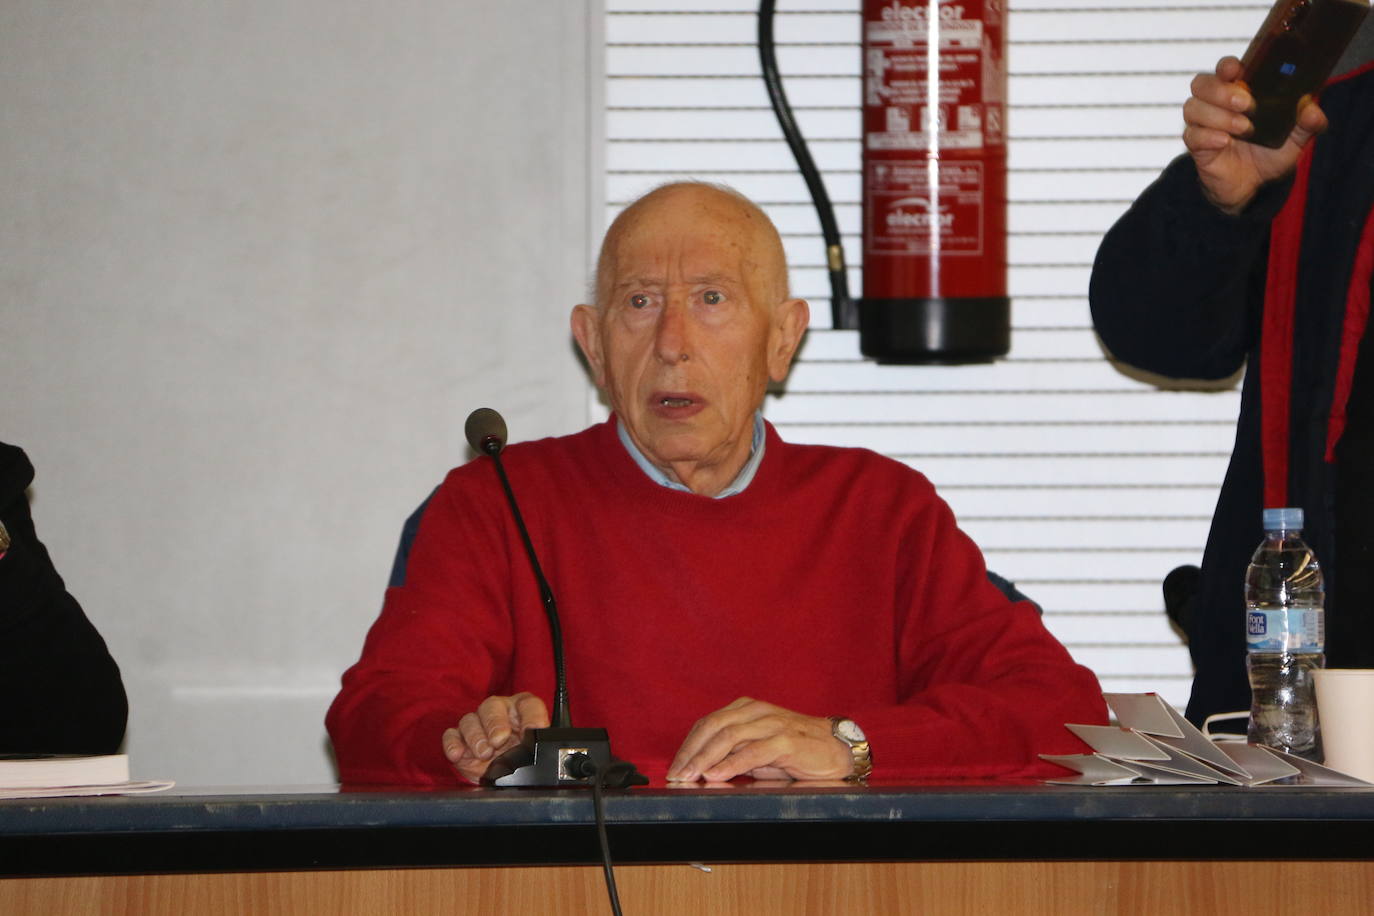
x=1291, y=56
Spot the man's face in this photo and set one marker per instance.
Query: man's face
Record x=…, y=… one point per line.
x=690, y=327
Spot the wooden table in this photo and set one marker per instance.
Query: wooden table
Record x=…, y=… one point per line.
x=741, y=848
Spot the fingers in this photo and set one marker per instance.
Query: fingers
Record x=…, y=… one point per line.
x=461, y=757
x=530, y=711
x=1311, y=121
x=763, y=740
x=453, y=745
x=498, y=725
x=1228, y=69
x=1220, y=102
x=1208, y=141
x=752, y=747
x=497, y=719
x=500, y=718
x=477, y=740
x=469, y=750
x=1230, y=173
x=733, y=749
x=1215, y=112
x=704, y=730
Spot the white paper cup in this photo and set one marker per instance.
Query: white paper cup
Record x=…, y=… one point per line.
x=1345, y=708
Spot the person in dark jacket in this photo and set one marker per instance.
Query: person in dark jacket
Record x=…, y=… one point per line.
x=60, y=691
x=1239, y=255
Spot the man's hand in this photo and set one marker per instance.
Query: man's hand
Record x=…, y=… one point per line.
x=496, y=727
x=761, y=740
x=1215, y=126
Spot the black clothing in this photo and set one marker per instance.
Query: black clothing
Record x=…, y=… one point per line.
x=1178, y=289
x=60, y=692
x=1354, y=591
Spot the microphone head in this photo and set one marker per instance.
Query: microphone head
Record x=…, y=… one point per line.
x=486, y=431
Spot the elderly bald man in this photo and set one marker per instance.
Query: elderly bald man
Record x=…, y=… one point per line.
x=733, y=604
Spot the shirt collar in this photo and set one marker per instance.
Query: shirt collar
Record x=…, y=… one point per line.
x=742, y=479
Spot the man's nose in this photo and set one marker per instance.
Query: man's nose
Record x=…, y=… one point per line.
x=673, y=335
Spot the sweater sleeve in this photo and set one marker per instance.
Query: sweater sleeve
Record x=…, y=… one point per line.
x=1177, y=284
x=984, y=687
x=395, y=703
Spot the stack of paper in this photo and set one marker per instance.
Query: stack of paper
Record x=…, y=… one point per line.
x=50, y=775
x=1155, y=745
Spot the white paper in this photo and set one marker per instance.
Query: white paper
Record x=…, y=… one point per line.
x=1156, y=745
x=133, y=787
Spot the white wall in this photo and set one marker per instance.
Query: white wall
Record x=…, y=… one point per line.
x=257, y=262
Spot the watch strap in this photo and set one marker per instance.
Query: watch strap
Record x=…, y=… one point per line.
x=859, y=750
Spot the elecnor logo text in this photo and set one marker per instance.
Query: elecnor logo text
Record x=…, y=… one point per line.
x=897, y=12
x=922, y=219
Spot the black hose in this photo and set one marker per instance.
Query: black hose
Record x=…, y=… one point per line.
x=844, y=313
x=583, y=766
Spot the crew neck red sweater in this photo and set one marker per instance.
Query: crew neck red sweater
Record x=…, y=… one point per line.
x=837, y=583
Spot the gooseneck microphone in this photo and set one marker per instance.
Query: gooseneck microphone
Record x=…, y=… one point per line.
x=560, y=755
x=486, y=432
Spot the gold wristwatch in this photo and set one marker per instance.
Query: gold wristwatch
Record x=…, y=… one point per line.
x=848, y=731
x=4, y=539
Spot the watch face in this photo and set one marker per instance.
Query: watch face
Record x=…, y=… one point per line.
x=849, y=731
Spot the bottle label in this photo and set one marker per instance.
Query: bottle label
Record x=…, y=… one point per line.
x=1298, y=630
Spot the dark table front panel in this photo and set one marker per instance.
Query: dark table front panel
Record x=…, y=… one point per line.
x=305, y=828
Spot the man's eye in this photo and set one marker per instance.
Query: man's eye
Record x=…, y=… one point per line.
x=639, y=300
x=713, y=297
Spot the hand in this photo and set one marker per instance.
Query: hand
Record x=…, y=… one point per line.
x=762, y=740
x=1231, y=170
x=497, y=726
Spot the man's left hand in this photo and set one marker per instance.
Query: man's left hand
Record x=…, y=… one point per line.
x=758, y=739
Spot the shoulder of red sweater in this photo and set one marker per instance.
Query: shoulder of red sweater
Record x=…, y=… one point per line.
x=802, y=459
x=545, y=460
x=596, y=436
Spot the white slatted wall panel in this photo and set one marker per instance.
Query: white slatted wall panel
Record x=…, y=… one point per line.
x=1082, y=484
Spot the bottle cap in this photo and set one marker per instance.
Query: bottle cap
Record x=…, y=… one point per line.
x=1288, y=519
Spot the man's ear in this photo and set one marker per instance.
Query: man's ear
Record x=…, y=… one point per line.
x=790, y=320
x=586, y=328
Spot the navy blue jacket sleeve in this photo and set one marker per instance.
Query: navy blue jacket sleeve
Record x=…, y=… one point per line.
x=1177, y=285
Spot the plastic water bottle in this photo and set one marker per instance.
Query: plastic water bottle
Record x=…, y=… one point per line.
x=1285, y=634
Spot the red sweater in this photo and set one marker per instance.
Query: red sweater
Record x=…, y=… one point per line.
x=837, y=583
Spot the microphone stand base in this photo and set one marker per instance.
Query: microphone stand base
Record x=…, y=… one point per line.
x=550, y=758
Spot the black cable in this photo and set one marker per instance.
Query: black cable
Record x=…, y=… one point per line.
x=844, y=314
x=581, y=765
x=605, y=843
x=561, y=716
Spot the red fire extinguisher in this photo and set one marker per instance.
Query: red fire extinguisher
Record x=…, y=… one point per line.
x=934, y=181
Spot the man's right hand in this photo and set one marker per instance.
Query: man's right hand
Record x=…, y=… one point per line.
x=1215, y=125
x=496, y=727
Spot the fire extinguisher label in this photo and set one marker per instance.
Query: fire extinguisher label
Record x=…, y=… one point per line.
x=904, y=217
x=935, y=149
x=898, y=63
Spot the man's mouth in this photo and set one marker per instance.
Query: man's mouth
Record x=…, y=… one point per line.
x=676, y=405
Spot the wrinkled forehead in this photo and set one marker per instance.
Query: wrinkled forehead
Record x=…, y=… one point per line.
x=696, y=232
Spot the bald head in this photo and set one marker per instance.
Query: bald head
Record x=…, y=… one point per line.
x=700, y=207
x=691, y=321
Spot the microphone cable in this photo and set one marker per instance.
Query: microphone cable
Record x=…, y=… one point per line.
x=583, y=766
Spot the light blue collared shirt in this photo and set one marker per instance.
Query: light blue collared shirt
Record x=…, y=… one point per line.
x=742, y=479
